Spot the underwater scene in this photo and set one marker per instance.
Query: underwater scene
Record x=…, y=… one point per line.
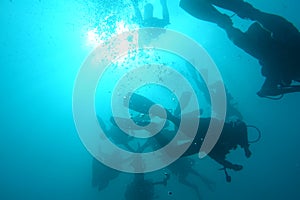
x=150, y=99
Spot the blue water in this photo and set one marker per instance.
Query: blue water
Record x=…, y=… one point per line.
x=43, y=45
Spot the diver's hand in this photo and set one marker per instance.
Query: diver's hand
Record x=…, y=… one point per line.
x=247, y=153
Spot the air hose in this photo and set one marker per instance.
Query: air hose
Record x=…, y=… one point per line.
x=259, y=134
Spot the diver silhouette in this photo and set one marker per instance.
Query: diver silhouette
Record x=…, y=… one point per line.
x=271, y=39
x=234, y=134
x=149, y=20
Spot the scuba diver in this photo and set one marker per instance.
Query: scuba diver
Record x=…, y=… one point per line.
x=149, y=20
x=102, y=175
x=234, y=134
x=182, y=168
x=271, y=39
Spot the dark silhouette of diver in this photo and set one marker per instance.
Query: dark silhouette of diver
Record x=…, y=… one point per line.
x=273, y=40
x=149, y=20
x=234, y=134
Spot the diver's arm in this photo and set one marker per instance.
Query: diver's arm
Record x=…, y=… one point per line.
x=204, y=10
x=229, y=165
x=282, y=30
x=226, y=163
x=165, y=10
x=137, y=11
x=246, y=42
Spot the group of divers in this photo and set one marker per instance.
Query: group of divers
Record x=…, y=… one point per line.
x=271, y=39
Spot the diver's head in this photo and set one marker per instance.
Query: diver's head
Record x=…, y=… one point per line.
x=148, y=11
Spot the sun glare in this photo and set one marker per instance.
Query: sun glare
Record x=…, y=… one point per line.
x=94, y=37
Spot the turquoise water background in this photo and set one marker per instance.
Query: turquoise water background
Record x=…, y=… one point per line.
x=43, y=44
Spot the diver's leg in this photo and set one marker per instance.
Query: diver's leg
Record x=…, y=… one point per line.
x=137, y=11
x=240, y=7
x=221, y=160
x=269, y=88
x=165, y=10
x=243, y=41
x=282, y=30
x=203, y=10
